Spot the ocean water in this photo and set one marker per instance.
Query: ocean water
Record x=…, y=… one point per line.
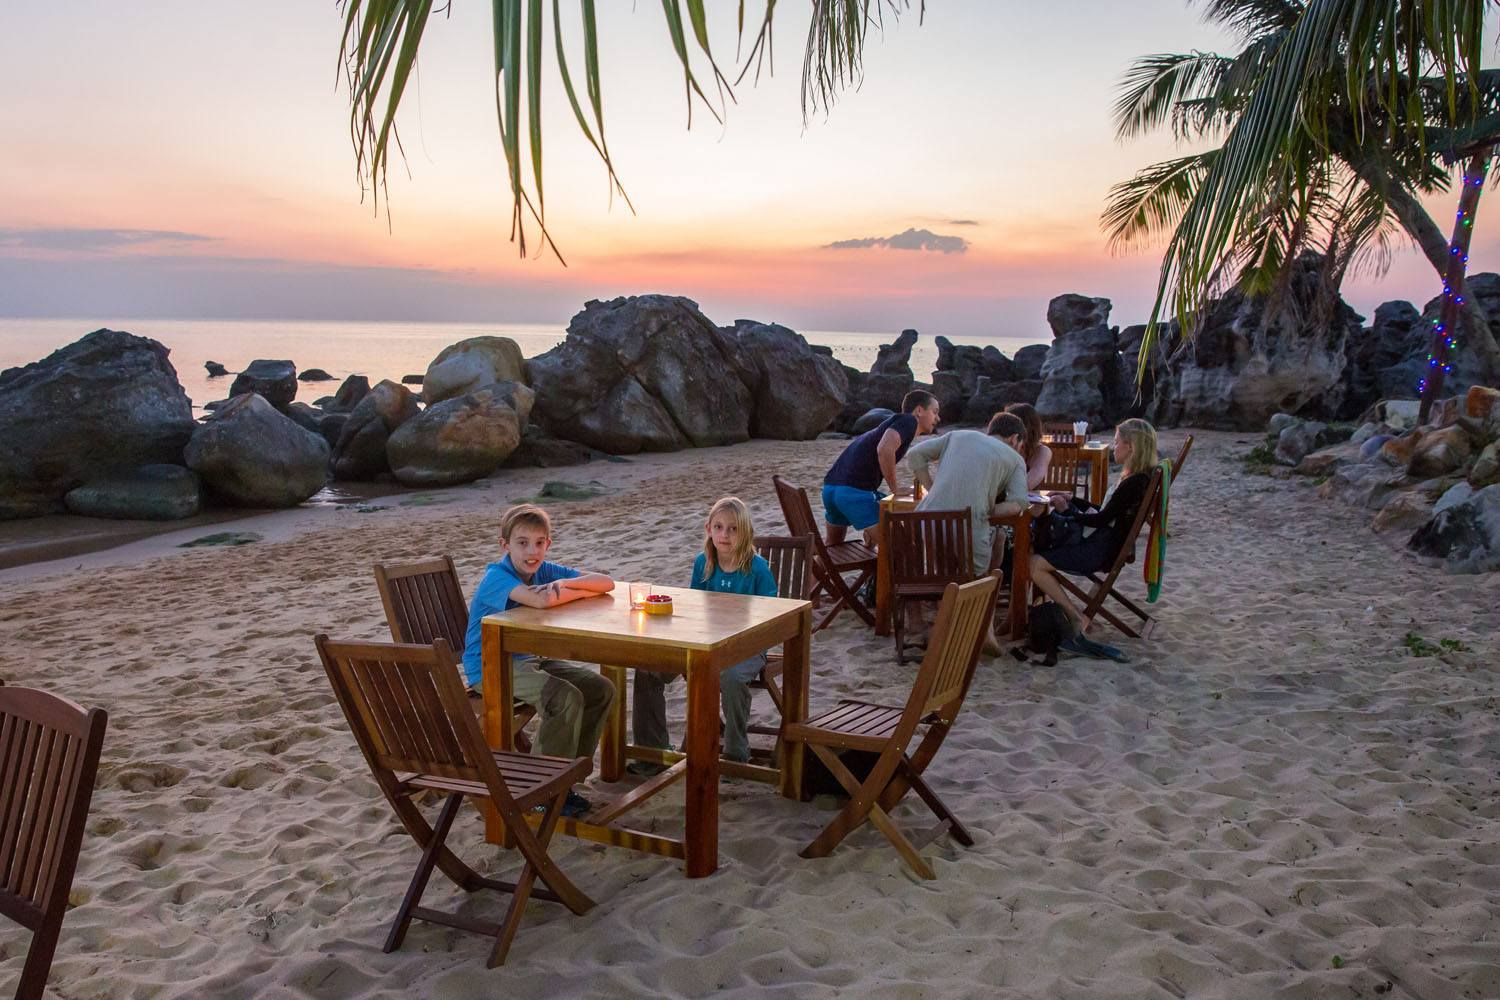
x=377, y=350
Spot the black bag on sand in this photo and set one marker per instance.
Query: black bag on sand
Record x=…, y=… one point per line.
x=1047, y=627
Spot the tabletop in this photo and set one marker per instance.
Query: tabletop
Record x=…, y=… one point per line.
x=700, y=619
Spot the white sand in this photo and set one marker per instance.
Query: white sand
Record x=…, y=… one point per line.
x=1275, y=799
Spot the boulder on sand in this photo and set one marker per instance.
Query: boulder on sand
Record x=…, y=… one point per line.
x=460, y=439
x=252, y=455
x=645, y=373
x=471, y=364
x=273, y=381
x=107, y=403
x=795, y=393
x=149, y=493
x=360, y=453
x=1464, y=534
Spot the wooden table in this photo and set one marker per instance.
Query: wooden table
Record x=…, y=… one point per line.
x=706, y=633
x=1020, y=565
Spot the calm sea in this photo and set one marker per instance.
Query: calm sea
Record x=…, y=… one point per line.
x=377, y=350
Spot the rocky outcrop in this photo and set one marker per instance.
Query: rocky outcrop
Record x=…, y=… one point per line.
x=1465, y=534
x=884, y=386
x=214, y=369
x=350, y=392
x=149, y=493
x=314, y=375
x=107, y=403
x=460, y=439
x=795, y=392
x=273, y=381
x=471, y=364
x=360, y=451
x=961, y=371
x=1247, y=362
x=990, y=397
x=538, y=449
x=251, y=455
x=1376, y=358
x=1084, y=376
x=1029, y=361
x=645, y=373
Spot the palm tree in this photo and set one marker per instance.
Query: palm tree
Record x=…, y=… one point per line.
x=382, y=39
x=1332, y=121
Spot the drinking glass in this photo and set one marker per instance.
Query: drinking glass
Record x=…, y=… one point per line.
x=638, y=594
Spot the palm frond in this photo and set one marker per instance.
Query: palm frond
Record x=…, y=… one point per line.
x=1155, y=84
x=1152, y=202
x=1253, y=18
x=833, y=58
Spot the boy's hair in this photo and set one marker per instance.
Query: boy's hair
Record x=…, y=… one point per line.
x=916, y=398
x=1142, y=438
x=1004, y=425
x=524, y=515
x=744, y=548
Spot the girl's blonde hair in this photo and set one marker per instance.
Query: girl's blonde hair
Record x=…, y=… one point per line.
x=744, y=547
x=1142, y=439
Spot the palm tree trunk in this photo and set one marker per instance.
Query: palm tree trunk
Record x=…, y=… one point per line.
x=1443, y=334
x=1425, y=233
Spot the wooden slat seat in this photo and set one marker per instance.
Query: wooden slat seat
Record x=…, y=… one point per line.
x=423, y=601
x=49, y=756
x=411, y=718
x=936, y=697
x=831, y=562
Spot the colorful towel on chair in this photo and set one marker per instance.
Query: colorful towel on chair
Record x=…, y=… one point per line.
x=1156, y=544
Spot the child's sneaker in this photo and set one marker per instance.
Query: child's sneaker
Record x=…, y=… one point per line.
x=576, y=805
x=644, y=768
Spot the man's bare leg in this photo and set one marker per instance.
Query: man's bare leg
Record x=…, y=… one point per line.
x=834, y=535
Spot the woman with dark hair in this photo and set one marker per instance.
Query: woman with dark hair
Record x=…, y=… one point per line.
x=1038, y=456
x=1135, y=450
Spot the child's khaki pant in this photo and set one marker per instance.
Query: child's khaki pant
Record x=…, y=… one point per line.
x=572, y=701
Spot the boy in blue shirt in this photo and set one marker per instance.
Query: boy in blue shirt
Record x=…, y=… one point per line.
x=571, y=699
x=728, y=564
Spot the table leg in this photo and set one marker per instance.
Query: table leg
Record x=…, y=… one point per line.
x=702, y=747
x=1020, y=577
x=1099, y=477
x=612, y=747
x=496, y=685
x=882, y=579
x=795, y=679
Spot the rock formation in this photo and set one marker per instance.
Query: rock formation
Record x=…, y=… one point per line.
x=251, y=455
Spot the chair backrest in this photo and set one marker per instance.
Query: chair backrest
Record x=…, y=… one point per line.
x=1062, y=470
x=953, y=648
x=790, y=558
x=1058, y=433
x=408, y=712
x=1147, y=513
x=930, y=546
x=1181, y=459
x=49, y=756
x=795, y=508
x=423, y=602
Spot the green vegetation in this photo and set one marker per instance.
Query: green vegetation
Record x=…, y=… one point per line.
x=222, y=538
x=1417, y=645
x=1260, y=459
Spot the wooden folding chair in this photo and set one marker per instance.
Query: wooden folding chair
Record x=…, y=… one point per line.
x=423, y=601
x=49, y=755
x=942, y=682
x=1054, y=432
x=1182, y=457
x=1062, y=471
x=791, y=560
x=1104, y=583
x=411, y=718
x=830, y=562
x=929, y=549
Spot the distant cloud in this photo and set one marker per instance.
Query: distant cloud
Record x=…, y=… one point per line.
x=963, y=222
x=912, y=239
x=93, y=240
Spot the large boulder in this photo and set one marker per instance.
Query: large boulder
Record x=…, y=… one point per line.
x=1439, y=452
x=645, y=373
x=107, y=403
x=472, y=364
x=990, y=397
x=1071, y=312
x=314, y=375
x=1248, y=361
x=538, y=449
x=795, y=392
x=149, y=493
x=895, y=358
x=360, y=452
x=350, y=392
x=252, y=455
x=871, y=420
x=273, y=381
x=460, y=439
x=1085, y=378
x=1297, y=440
x=1465, y=534
x=1030, y=360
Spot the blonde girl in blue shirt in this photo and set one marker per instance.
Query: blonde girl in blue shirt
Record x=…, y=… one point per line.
x=728, y=564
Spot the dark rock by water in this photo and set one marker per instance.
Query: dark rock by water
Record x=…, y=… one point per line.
x=360, y=452
x=411, y=379
x=795, y=392
x=214, y=369
x=252, y=455
x=460, y=439
x=149, y=493
x=107, y=403
x=468, y=365
x=350, y=392
x=315, y=375
x=273, y=381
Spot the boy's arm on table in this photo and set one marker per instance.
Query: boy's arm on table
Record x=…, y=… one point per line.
x=550, y=595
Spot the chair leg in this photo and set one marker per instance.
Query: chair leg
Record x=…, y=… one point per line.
x=424, y=871
x=849, y=818
x=887, y=826
x=524, y=882
x=411, y=818
x=39, y=959
x=898, y=629
x=956, y=829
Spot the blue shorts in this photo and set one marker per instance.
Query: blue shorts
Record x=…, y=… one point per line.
x=848, y=507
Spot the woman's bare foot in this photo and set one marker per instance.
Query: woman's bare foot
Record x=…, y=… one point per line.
x=991, y=645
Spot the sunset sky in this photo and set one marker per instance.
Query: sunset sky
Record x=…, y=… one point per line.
x=190, y=159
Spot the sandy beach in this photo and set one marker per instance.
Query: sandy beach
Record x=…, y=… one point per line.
x=1275, y=798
